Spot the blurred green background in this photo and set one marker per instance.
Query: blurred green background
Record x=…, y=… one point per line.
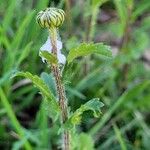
x=122, y=83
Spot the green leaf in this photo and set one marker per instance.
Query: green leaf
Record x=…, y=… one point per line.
x=50, y=58
x=50, y=109
x=85, y=49
x=94, y=105
x=49, y=81
x=50, y=99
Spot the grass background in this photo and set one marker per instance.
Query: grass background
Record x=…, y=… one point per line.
x=122, y=83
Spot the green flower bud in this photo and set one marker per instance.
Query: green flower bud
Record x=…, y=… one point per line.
x=50, y=17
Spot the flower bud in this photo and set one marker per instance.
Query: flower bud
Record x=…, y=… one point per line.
x=50, y=17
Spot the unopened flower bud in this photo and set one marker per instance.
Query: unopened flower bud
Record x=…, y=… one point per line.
x=50, y=17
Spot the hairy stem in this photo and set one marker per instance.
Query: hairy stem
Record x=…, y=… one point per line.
x=60, y=90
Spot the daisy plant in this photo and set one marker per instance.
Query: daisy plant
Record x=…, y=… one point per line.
x=51, y=19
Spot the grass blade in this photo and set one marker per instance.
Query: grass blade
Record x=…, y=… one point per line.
x=13, y=118
x=21, y=31
x=9, y=14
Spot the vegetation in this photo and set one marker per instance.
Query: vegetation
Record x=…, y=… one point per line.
x=106, y=77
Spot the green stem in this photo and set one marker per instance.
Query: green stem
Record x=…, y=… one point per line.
x=13, y=118
x=60, y=89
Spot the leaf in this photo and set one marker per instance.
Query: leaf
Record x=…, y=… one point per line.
x=49, y=81
x=86, y=49
x=93, y=105
x=39, y=83
x=50, y=58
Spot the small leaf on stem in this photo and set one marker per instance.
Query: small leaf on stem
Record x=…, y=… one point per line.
x=85, y=49
x=93, y=105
